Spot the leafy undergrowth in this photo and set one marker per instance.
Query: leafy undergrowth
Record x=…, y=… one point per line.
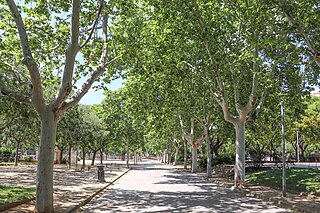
x=10, y=194
x=298, y=180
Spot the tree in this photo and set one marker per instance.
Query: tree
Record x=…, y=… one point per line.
x=23, y=129
x=302, y=16
x=308, y=127
x=38, y=34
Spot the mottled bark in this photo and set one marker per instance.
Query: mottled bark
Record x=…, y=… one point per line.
x=239, y=169
x=93, y=157
x=16, y=157
x=185, y=154
x=209, y=159
x=176, y=154
x=44, y=183
x=128, y=153
x=69, y=155
x=83, y=157
x=194, y=167
x=101, y=157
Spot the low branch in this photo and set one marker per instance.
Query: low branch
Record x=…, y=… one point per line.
x=226, y=113
x=15, y=96
x=201, y=139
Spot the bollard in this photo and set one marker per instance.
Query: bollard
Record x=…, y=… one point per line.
x=101, y=173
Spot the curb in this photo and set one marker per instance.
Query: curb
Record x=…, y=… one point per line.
x=87, y=200
x=7, y=206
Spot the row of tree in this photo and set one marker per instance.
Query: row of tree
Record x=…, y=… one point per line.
x=187, y=63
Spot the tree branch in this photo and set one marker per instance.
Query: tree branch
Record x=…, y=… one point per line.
x=252, y=98
x=76, y=97
x=71, y=52
x=94, y=26
x=203, y=28
x=37, y=92
x=104, y=54
x=236, y=95
x=297, y=25
x=214, y=95
x=259, y=108
x=305, y=37
x=15, y=96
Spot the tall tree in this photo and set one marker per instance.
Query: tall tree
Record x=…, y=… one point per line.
x=39, y=34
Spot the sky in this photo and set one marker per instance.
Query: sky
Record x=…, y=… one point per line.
x=95, y=97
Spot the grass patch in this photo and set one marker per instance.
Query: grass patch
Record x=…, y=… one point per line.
x=12, y=163
x=10, y=194
x=298, y=180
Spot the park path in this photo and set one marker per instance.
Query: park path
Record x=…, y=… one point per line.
x=154, y=187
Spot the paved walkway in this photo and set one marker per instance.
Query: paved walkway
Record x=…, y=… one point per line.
x=153, y=187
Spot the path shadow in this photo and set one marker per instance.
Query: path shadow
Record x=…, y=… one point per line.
x=208, y=201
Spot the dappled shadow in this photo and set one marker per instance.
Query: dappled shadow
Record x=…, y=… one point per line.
x=163, y=201
x=179, y=177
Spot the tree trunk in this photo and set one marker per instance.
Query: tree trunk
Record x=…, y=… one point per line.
x=44, y=197
x=16, y=157
x=185, y=154
x=69, y=156
x=239, y=168
x=83, y=158
x=176, y=154
x=60, y=155
x=169, y=157
x=302, y=153
x=93, y=157
x=135, y=157
x=123, y=156
x=209, y=159
x=128, y=156
x=165, y=156
x=101, y=157
x=77, y=152
x=194, y=167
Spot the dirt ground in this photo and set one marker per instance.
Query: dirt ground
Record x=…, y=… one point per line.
x=71, y=186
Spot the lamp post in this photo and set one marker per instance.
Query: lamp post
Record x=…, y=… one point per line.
x=283, y=153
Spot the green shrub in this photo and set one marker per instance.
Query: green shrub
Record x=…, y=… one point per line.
x=27, y=158
x=5, y=155
x=220, y=159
